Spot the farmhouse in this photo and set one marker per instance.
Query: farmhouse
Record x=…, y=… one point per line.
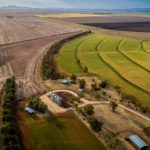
x=56, y=98
x=138, y=142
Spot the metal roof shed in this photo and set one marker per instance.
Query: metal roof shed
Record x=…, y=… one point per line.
x=29, y=110
x=65, y=81
x=138, y=142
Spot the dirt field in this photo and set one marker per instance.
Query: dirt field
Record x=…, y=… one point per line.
x=21, y=29
x=22, y=45
x=130, y=26
x=122, y=122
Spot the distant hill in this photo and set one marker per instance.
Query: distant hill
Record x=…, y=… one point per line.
x=20, y=9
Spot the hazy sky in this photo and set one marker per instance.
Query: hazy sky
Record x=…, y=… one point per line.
x=106, y=4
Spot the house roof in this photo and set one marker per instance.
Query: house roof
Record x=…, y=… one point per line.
x=29, y=110
x=137, y=141
x=65, y=81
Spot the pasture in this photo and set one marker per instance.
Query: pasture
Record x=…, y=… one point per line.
x=61, y=133
x=120, y=61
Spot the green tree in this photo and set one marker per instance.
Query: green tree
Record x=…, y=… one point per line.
x=95, y=124
x=89, y=109
x=36, y=104
x=85, y=69
x=82, y=84
x=103, y=84
x=113, y=105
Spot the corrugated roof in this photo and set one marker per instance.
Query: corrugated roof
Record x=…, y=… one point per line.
x=29, y=110
x=138, y=141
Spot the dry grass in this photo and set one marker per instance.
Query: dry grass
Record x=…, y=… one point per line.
x=68, y=15
x=122, y=121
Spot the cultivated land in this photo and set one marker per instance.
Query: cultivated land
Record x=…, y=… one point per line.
x=22, y=45
x=20, y=29
x=62, y=133
x=109, y=57
x=134, y=26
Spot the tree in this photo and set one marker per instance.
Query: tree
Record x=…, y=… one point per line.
x=82, y=84
x=103, y=84
x=95, y=87
x=73, y=77
x=7, y=117
x=36, y=104
x=95, y=124
x=113, y=105
x=8, y=128
x=85, y=69
x=89, y=109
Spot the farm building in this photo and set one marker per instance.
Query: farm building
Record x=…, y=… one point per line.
x=56, y=98
x=29, y=110
x=138, y=142
x=65, y=81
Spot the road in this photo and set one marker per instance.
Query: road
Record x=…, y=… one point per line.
x=86, y=102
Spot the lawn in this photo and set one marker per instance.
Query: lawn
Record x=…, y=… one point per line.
x=60, y=133
x=100, y=53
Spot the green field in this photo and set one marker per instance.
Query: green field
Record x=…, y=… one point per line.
x=123, y=62
x=60, y=133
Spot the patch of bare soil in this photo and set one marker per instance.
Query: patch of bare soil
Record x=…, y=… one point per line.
x=128, y=26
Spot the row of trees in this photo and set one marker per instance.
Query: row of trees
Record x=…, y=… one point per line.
x=36, y=104
x=48, y=67
x=95, y=124
x=8, y=130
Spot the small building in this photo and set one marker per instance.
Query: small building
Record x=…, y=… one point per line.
x=138, y=142
x=29, y=110
x=56, y=98
x=65, y=81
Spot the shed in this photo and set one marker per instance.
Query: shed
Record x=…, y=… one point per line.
x=138, y=142
x=65, y=81
x=29, y=110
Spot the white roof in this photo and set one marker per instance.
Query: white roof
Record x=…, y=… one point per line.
x=30, y=110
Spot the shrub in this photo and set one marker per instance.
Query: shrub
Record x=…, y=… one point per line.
x=103, y=84
x=113, y=105
x=82, y=84
x=95, y=124
x=85, y=69
x=95, y=87
x=97, y=96
x=73, y=77
x=89, y=109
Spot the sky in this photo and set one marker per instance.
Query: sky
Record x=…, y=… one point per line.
x=80, y=4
